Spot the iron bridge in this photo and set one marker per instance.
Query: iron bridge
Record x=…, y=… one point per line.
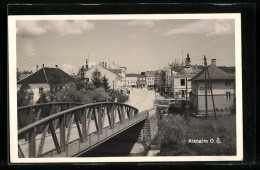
x=45, y=130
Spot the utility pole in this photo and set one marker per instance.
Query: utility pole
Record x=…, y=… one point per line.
x=206, y=95
x=187, y=105
x=215, y=115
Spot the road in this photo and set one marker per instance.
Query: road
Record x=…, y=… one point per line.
x=142, y=99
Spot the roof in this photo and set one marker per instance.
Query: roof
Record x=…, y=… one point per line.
x=177, y=68
x=116, y=71
x=132, y=75
x=44, y=75
x=187, y=72
x=229, y=70
x=215, y=74
x=150, y=73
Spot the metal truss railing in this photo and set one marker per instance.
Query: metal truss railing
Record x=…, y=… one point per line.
x=79, y=117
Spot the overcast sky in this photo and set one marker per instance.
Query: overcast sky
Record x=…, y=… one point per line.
x=139, y=45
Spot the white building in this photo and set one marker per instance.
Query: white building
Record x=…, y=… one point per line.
x=179, y=81
x=40, y=80
x=131, y=80
x=115, y=75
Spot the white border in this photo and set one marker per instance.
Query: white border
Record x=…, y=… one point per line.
x=13, y=88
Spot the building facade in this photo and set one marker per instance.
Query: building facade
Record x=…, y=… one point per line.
x=116, y=75
x=150, y=79
x=179, y=85
x=141, y=81
x=131, y=80
x=223, y=91
x=41, y=81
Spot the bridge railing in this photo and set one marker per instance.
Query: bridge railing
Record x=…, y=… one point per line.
x=81, y=116
x=77, y=147
x=32, y=113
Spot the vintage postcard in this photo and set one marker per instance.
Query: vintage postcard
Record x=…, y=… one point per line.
x=125, y=88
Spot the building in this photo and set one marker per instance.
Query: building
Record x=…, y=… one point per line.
x=141, y=80
x=131, y=80
x=45, y=79
x=116, y=75
x=150, y=78
x=223, y=89
x=179, y=83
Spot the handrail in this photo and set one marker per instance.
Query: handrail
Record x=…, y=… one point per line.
x=90, y=134
x=50, y=103
x=55, y=116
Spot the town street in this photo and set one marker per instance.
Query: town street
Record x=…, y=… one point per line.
x=142, y=99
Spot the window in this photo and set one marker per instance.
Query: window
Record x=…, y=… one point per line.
x=97, y=74
x=227, y=83
x=228, y=95
x=182, y=82
x=40, y=90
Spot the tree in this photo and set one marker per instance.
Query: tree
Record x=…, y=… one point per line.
x=105, y=83
x=55, y=80
x=96, y=79
x=80, y=84
x=24, y=95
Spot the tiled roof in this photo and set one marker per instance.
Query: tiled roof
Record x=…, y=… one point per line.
x=215, y=73
x=44, y=75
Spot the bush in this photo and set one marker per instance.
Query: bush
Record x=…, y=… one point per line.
x=82, y=96
x=121, y=97
x=24, y=95
x=174, y=135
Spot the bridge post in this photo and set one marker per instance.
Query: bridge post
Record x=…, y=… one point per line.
x=100, y=119
x=62, y=133
x=32, y=142
x=119, y=114
x=123, y=112
x=95, y=118
x=84, y=125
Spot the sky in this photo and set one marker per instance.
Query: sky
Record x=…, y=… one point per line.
x=139, y=45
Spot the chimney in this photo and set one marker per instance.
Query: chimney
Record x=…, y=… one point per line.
x=36, y=67
x=86, y=64
x=213, y=62
x=103, y=64
x=56, y=66
x=43, y=65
